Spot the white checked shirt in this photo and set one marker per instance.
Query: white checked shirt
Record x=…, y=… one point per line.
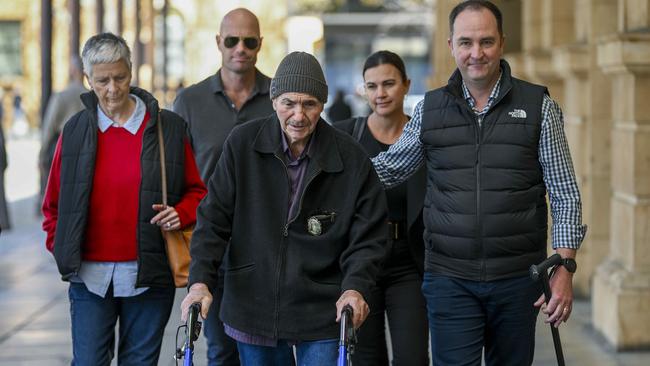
x=407, y=154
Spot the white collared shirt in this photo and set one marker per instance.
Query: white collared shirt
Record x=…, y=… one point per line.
x=132, y=124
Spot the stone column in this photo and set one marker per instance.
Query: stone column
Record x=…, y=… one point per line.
x=587, y=123
x=531, y=40
x=621, y=294
x=547, y=24
x=443, y=62
x=572, y=63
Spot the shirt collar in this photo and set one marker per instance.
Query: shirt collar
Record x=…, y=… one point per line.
x=287, y=151
x=493, y=95
x=216, y=84
x=132, y=124
x=262, y=83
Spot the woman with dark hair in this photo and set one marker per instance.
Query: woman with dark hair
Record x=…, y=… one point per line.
x=398, y=289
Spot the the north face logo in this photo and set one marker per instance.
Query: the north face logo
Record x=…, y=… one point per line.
x=517, y=113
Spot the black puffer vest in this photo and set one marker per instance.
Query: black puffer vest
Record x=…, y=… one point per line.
x=77, y=169
x=485, y=211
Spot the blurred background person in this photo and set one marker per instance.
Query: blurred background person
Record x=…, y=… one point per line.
x=4, y=211
x=104, y=225
x=339, y=110
x=398, y=290
x=60, y=108
x=20, y=125
x=237, y=93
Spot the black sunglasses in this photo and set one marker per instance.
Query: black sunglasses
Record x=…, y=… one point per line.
x=250, y=42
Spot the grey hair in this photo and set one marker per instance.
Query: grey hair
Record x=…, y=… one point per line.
x=104, y=48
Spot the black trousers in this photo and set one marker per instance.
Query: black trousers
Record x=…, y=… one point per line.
x=397, y=296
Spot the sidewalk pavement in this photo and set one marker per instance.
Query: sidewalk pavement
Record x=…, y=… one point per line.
x=35, y=318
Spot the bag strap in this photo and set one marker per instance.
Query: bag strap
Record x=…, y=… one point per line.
x=359, y=126
x=161, y=147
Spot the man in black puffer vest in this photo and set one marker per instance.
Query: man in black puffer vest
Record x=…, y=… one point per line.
x=493, y=146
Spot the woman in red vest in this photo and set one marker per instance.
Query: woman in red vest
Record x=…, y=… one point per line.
x=103, y=213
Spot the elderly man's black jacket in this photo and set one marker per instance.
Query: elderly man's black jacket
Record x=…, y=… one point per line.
x=281, y=280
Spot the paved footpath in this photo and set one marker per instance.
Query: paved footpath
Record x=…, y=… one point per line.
x=35, y=319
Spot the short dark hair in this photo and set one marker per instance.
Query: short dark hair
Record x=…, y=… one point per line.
x=385, y=57
x=476, y=5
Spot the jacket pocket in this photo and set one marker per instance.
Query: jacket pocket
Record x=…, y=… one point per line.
x=327, y=280
x=319, y=222
x=240, y=269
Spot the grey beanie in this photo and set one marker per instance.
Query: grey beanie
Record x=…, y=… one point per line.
x=299, y=72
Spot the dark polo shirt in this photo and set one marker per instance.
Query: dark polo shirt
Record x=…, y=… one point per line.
x=211, y=115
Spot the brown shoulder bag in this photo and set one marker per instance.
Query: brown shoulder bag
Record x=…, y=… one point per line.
x=177, y=242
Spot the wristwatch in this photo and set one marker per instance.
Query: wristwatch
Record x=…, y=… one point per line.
x=570, y=264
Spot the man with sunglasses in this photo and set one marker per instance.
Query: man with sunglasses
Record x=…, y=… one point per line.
x=237, y=93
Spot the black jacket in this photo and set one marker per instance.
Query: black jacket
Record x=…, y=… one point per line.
x=415, y=188
x=485, y=212
x=77, y=169
x=280, y=280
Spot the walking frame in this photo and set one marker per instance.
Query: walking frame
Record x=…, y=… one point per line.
x=347, y=338
x=192, y=331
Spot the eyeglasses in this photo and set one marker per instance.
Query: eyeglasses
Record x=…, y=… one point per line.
x=250, y=42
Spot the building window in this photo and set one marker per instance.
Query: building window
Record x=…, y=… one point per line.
x=10, y=64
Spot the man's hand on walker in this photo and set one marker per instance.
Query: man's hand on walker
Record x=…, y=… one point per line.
x=358, y=304
x=198, y=293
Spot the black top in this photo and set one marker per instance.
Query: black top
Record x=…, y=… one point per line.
x=405, y=201
x=396, y=196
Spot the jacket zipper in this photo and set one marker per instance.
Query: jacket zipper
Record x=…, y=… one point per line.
x=279, y=264
x=285, y=234
x=479, y=235
x=479, y=122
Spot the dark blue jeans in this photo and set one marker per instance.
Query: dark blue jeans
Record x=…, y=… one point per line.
x=466, y=316
x=312, y=353
x=142, y=321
